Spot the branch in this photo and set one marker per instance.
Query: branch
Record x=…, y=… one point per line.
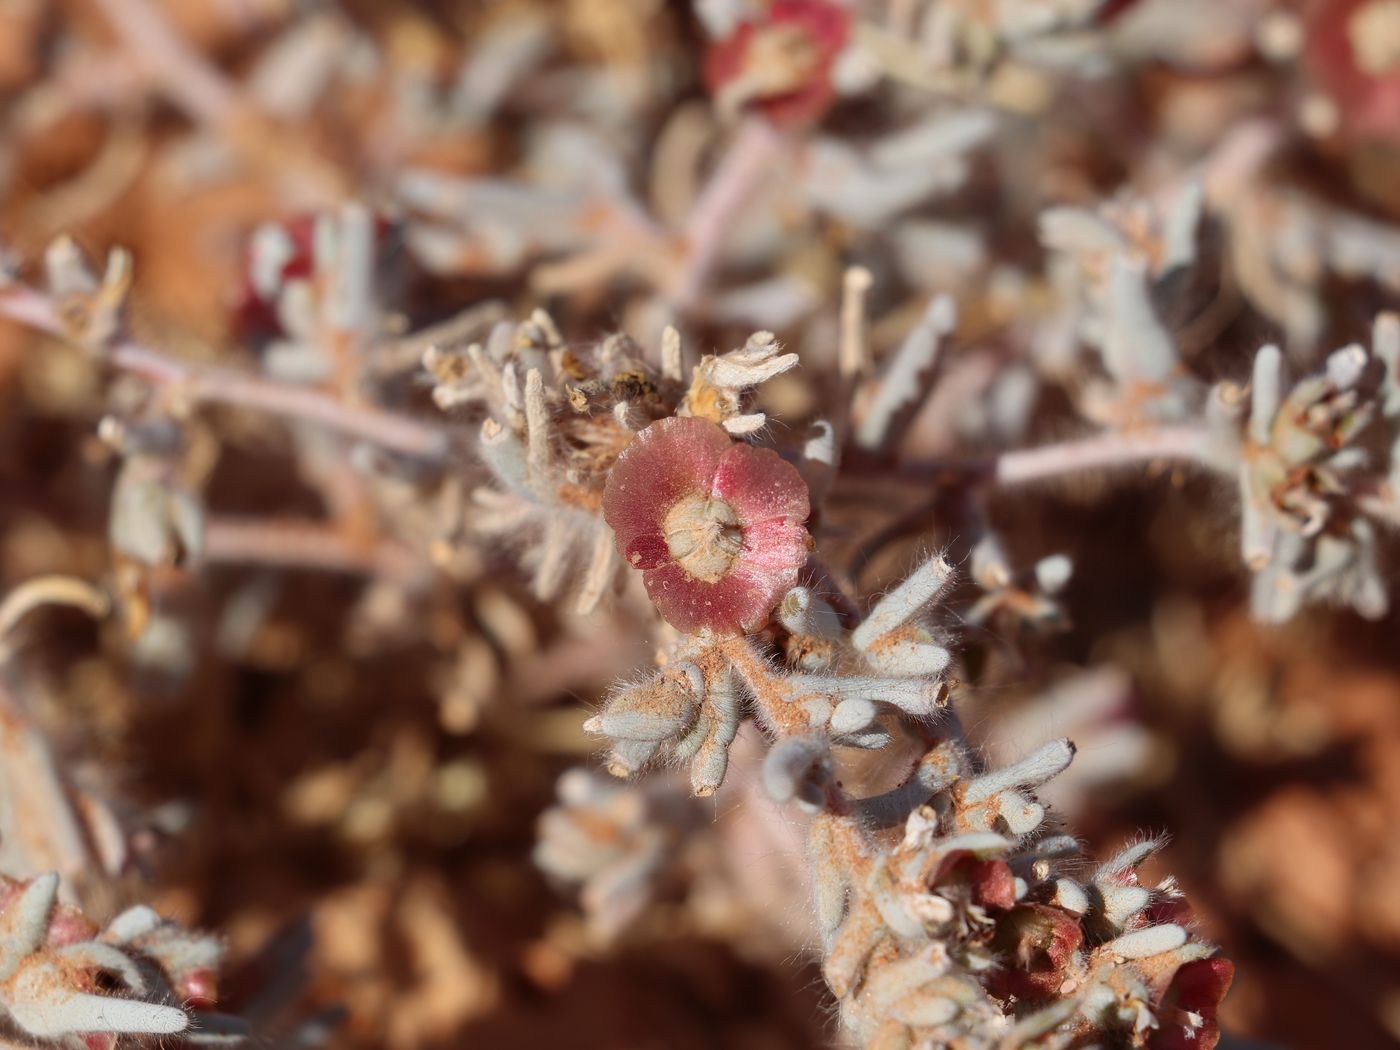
x=193, y=84
x=745, y=165
x=212, y=384
x=1111, y=448
x=309, y=545
x=186, y=78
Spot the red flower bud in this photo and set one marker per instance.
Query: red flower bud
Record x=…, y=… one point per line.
x=1194, y=996
x=990, y=881
x=199, y=988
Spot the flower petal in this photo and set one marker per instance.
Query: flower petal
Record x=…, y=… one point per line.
x=730, y=605
x=667, y=460
x=1197, y=987
x=647, y=550
x=773, y=546
x=767, y=590
x=760, y=485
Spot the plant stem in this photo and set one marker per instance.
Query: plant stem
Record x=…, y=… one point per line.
x=189, y=81
x=213, y=384
x=304, y=545
x=197, y=87
x=1381, y=506
x=748, y=159
x=1113, y=448
x=1109, y=449
x=231, y=387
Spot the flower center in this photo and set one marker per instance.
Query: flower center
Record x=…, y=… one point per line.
x=704, y=536
x=780, y=59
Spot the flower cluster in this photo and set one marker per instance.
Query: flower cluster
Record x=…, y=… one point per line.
x=831, y=684
x=961, y=926
x=1027, y=598
x=1110, y=264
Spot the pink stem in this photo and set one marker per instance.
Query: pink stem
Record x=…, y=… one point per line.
x=748, y=159
x=303, y=545
x=212, y=384
x=1111, y=448
x=190, y=82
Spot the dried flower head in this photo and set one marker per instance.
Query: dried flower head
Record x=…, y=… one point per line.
x=716, y=526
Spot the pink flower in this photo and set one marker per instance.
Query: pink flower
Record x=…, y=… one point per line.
x=715, y=526
x=1351, y=57
x=780, y=63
